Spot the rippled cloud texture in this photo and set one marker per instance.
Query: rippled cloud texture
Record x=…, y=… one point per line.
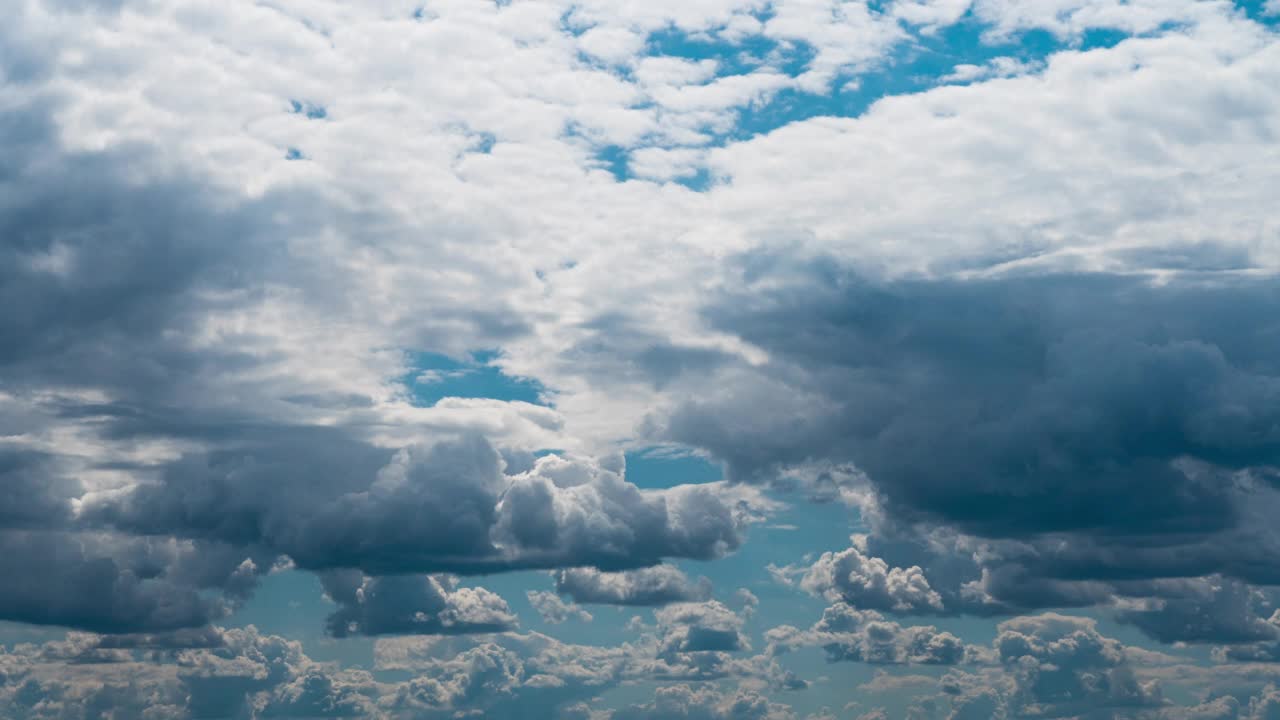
x=716, y=359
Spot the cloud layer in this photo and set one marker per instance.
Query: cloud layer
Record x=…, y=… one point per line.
x=534, y=337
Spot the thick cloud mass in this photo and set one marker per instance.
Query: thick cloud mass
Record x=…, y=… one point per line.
x=446, y=507
x=411, y=604
x=1080, y=392
x=107, y=584
x=171, y=431
x=1092, y=428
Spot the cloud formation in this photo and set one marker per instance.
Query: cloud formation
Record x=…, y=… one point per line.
x=658, y=585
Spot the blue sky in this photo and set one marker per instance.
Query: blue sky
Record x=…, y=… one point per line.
x=590, y=359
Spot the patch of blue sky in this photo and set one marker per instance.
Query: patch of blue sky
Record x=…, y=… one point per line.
x=308, y=109
x=291, y=603
x=919, y=64
x=923, y=62
x=483, y=143
x=735, y=58
x=614, y=159
x=14, y=633
x=789, y=537
x=433, y=377
x=915, y=66
x=651, y=468
x=1260, y=11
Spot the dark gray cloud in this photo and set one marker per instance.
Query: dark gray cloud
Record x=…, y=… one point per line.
x=1079, y=391
x=121, y=267
x=411, y=604
x=114, y=270
x=109, y=265
x=108, y=583
x=32, y=493
x=328, y=501
x=1092, y=428
x=1213, y=609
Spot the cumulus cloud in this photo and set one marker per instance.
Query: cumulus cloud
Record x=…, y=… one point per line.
x=330, y=502
x=869, y=583
x=658, y=585
x=853, y=635
x=228, y=673
x=554, y=610
x=683, y=701
x=1053, y=665
x=411, y=604
x=1063, y=665
x=1052, y=417
x=700, y=627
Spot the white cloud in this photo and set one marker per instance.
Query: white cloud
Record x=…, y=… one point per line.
x=554, y=610
x=869, y=582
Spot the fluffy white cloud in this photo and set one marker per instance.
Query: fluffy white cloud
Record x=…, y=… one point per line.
x=849, y=634
x=869, y=583
x=658, y=585
x=555, y=610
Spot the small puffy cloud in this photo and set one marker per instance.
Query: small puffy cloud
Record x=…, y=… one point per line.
x=555, y=610
x=995, y=68
x=691, y=627
x=657, y=585
x=869, y=583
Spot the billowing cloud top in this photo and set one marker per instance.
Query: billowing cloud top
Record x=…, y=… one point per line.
x=591, y=358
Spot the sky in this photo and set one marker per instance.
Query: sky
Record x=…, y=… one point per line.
x=618, y=360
